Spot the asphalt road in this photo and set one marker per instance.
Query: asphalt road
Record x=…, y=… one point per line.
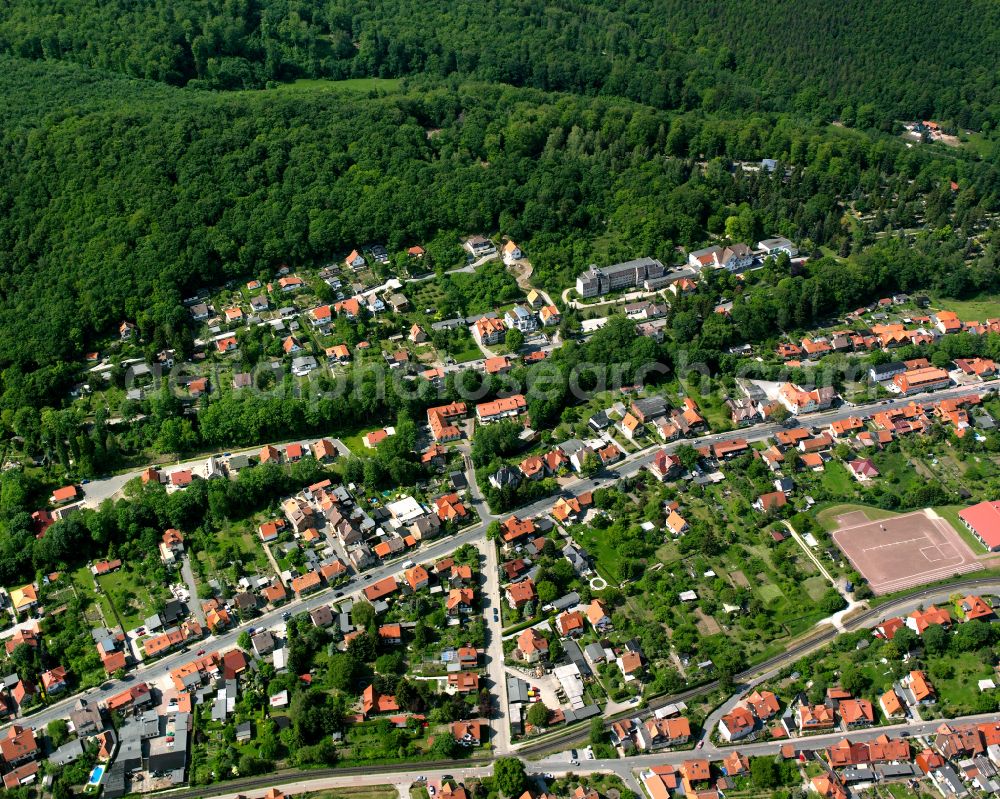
x=438, y=549
x=295, y=783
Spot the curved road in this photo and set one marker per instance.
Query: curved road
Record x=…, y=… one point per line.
x=629, y=466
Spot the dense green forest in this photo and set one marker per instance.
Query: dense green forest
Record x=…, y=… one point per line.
x=118, y=197
x=870, y=60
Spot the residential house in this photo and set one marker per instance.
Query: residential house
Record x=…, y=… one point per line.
x=489, y=330
x=665, y=466
x=570, y=624
x=917, y=380
x=736, y=724
x=631, y=427
x=659, y=732
x=815, y=717
x=511, y=253
x=459, y=601
x=531, y=646
x=520, y=594
x=920, y=620
x=504, y=408
x=862, y=469
x=598, y=616
x=891, y=705
x=799, y=401
x=920, y=688
x=550, y=316
x=771, y=501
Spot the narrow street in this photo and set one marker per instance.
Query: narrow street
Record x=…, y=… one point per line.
x=194, y=605
x=494, y=649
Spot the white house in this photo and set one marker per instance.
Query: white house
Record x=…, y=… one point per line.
x=511, y=253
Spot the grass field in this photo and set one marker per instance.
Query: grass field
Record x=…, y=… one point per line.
x=133, y=600
x=769, y=593
x=979, y=144
x=828, y=516
x=836, y=479
x=83, y=581
x=816, y=587
x=471, y=352
x=956, y=679
x=607, y=558
x=976, y=310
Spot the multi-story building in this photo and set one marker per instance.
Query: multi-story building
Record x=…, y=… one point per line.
x=602, y=280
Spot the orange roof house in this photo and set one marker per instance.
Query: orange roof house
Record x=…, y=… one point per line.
x=816, y=717
x=459, y=599
x=350, y=307
x=920, y=687
x=416, y=577
x=450, y=508
x=390, y=633
x=764, y=704
x=891, y=705
x=381, y=589
x=920, y=620
x=856, y=712
x=570, y=623
x=269, y=455
x=64, y=494
x=503, y=408
x=307, y=582
x=374, y=702
x=497, y=365
x=442, y=418
x=515, y=528
x=736, y=724
x=521, y=593
x=274, y=593
x=531, y=645
x=974, y=607
x=983, y=519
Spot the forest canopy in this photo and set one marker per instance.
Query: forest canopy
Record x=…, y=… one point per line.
x=119, y=197
x=870, y=60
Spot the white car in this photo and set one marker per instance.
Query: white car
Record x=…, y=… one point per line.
x=588, y=754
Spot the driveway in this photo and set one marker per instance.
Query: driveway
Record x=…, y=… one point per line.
x=194, y=605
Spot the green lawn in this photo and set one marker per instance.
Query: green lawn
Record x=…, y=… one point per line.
x=828, y=516
x=596, y=543
x=83, y=581
x=979, y=144
x=712, y=408
x=982, y=307
x=956, y=677
x=470, y=352
x=356, y=792
x=836, y=479
x=816, y=587
x=356, y=444
x=769, y=593
x=133, y=600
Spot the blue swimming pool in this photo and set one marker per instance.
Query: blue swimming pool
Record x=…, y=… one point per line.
x=95, y=775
